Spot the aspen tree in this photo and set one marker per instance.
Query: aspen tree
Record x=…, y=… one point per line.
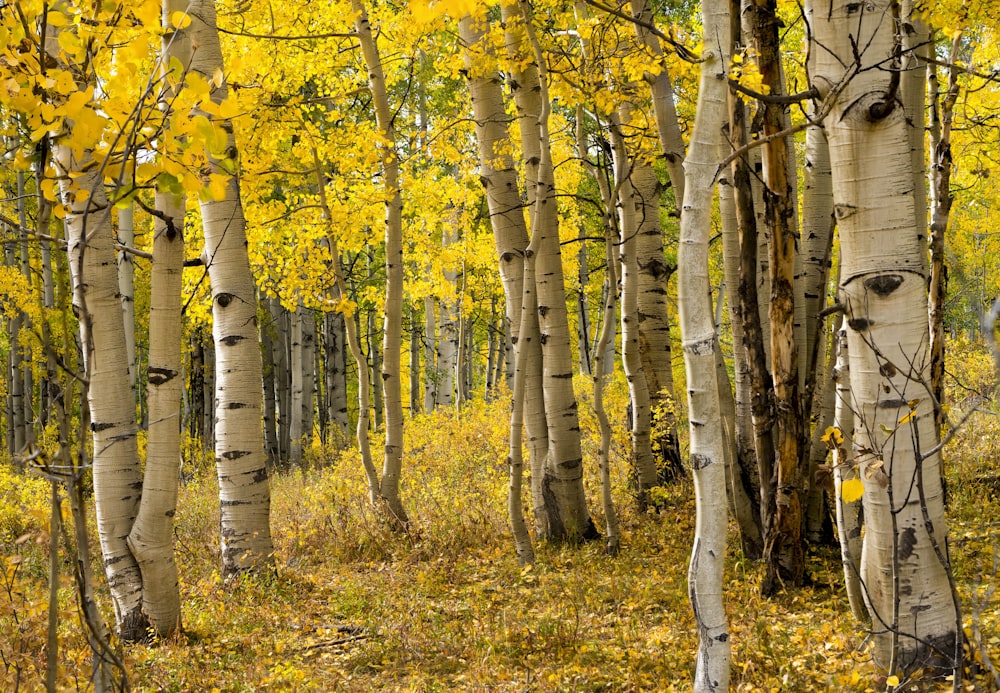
x=92, y=263
x=905, y=567
x=244, y=490
x=566, y=511
x=698, y=338
x=392, y=332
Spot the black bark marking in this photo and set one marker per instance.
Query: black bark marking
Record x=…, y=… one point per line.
x=234, y=454
x=260, y=475
x=224, y=299
x=232, y=340
x=699, y=461
x=543, y=310
x=237, y=405
x=884, y=284
x=842, y=211
x=859, y=324
x=702, y=347
x=170, y=513
x=159, y=376
x=892, y=403
x=887, y=370
x=96, y=427
x=907, y=540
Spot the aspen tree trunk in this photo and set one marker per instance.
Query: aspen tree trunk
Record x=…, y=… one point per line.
x=642, y=450
x=26, y=373
x=430, y=355
x=783, y=548
x=698, y=336
x=849, y=517
x=414, y=361
x=583, y=308
x=152, y=537
x=905, y=566
x=270, y=395
x=667, y=124
x=392, y=332
x=449, y=328
x=613, y=541
x=117, y=481
x=308, y=411
x=754, y=343
x=654, y=319
x=817, y=239
x=374, y=360
x=336, y=373
x=126, y=283
x=281, y=329
x=297, y=368
x=97, y=303
x=353, y=343
x=510, y=236
x=742, y=467
x=942, y=113
x=562, y=484
x=244, y=490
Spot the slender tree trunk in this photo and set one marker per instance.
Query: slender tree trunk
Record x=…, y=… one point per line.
x=783, y=541
x=904, y=565
x=336, y=373
x=849, y=514
x=281, y=357
x=430, y=355
x=244, y=489
x=667, y=124
x=510, y=236
x=346, y=308
x=754, y=343
x=639, y=397
x=152, y=537
x=742, y=468
x=297, y=368
x=415, y=334
x=698, y=336
x=942, y=114
x=117, y=480
x=392, y=333
x=613, y=541
x=562, y=483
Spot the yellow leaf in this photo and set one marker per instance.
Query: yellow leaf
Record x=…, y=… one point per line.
x=852, y=490
x=892, y=681
x=180, y=20
x=833, y=434
x=908, y=417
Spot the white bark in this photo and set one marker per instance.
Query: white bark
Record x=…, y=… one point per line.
x=152, y=537
x=126, y=283
x=699, y=343
x=392, y=331
x=244, y=490
x=848, y=514
x=510, y=236
x=117, y=482
x=905, y=566
x=565, y=502
x=635, y=375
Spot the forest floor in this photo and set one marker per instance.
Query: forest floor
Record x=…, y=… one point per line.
x=354, y=606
